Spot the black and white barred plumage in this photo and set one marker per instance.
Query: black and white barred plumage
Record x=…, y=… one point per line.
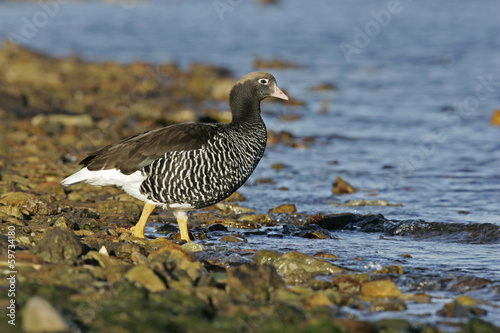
x=202, y=177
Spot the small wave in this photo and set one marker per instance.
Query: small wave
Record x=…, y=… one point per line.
x=474, y=233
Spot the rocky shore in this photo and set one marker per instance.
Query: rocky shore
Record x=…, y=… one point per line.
x=74, y=267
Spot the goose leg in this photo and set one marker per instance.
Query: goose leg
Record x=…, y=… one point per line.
x=182, y=219
x=138, y=229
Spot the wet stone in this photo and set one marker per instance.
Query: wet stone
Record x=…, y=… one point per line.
x=293, y=273
x=285, y=208
x=311, y=231
x=325, y=255
x=292, y=259
x=232, y=239
x=217, y=227
x=380, y=288
x=340, y=186
x=255, y=282
x=58, y=245
x=349, y=284
x=461, y=307
x=381, y=305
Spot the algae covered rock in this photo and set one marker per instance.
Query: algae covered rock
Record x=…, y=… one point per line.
x=295, y=267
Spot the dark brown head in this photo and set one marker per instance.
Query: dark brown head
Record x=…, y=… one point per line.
x=249, y=91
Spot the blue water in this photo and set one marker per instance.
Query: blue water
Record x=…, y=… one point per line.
x=409, y=122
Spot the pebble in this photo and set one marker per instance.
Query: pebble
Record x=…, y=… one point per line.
x=40, y=316
x=340, y=186
x=285, y=208
x=495, y=118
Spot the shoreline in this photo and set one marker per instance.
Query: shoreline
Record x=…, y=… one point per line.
x=75, y=259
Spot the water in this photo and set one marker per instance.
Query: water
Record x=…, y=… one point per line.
x=409, y=123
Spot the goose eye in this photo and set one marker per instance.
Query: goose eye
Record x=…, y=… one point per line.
x=263, y=81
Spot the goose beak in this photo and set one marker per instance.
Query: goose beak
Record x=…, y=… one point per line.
x=279, y=94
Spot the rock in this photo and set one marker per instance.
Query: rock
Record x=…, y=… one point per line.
x=293, y=273
x=290, y=260
x=311, y=231
x=13, y=211
x=146, y=278
x=342, y=187
x=342, y=221
x=61, y=222
x=28, y=203
x=175, y=263
x=192, y=247
x=393, y=269
x=217, y=227
x=317, y=300
x=253, y=282
x=233, y=208
x=460, y=307
x=58, y=245
x=383, y=304
x=325, y=255
x=380, y=288
x=495, y=118
x=278, y=166
x=285, y=208
x=265, y=181
x=91, y=225
x=40, y=316
x=264, y=219
x=117, y=207
x=231, y=239
x=349, y=283
x=266, y=257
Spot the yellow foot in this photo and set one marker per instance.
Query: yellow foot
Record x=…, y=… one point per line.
x=138, y=229
x=182, y=219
